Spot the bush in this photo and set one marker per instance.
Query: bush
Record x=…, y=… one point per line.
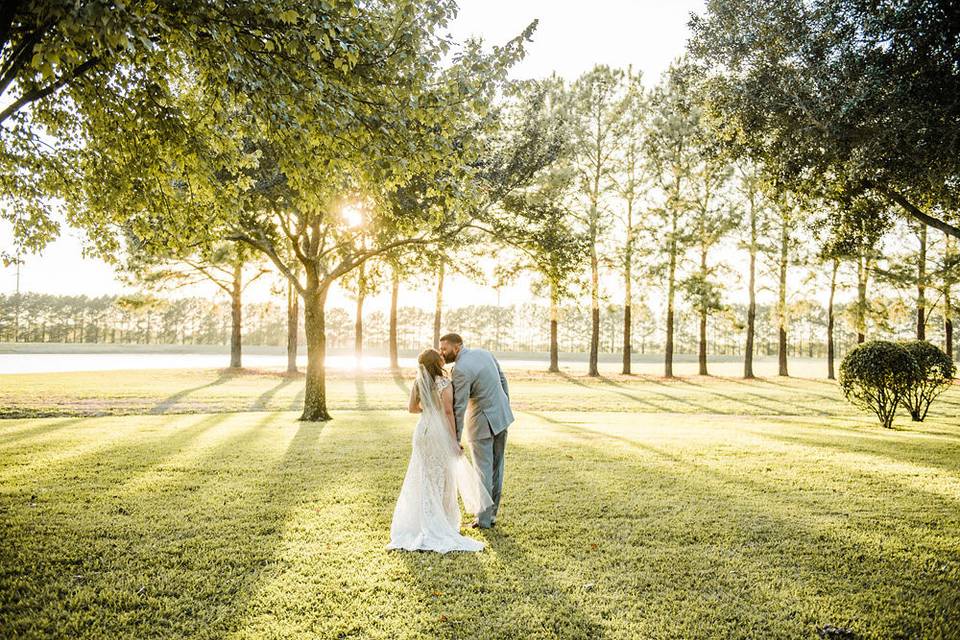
x=877, y=376
x=936, y=370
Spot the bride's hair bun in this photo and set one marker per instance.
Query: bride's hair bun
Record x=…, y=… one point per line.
x=432, y=361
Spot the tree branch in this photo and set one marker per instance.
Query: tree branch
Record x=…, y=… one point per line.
x=271, y=253
x=914, y=211
x=37, y=94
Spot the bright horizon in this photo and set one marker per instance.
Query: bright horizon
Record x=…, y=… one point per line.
x=647, y=35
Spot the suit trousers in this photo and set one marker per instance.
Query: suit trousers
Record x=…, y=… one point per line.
x=487, y=456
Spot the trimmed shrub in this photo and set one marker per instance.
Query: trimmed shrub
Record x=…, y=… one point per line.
x=877, y=375
x=937, y=371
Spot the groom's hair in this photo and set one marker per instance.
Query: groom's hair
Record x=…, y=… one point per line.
x=452, y=338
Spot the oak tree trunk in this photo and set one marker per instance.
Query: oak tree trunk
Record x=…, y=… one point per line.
x=315, y=395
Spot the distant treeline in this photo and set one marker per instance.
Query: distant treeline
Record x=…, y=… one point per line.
x=517, y=328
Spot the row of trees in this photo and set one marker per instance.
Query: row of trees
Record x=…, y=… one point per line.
x=148, y=319
x=343, y=143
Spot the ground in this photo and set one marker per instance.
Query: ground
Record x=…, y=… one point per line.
x=634, y=507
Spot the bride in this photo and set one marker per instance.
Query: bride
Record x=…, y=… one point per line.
x=427, y=516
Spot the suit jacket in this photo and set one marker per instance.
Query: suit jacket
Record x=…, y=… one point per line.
x=481, y=397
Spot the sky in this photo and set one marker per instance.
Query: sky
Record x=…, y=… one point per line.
x=570, y=38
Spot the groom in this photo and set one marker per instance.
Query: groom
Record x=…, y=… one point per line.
x=479, y=383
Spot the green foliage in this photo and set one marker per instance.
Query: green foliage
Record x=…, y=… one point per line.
x=936, y=375
x=840, y=98
x=877, y=376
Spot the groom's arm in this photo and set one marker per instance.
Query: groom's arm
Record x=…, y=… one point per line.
x=461, y=396
x=503, y=379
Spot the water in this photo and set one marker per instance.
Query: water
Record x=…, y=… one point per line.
x=67, y=362
x=52, y=362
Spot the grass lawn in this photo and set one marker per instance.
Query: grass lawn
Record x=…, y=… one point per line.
x=633, y=508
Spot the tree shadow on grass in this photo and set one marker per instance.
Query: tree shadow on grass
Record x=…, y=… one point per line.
x=936, y=454
x=87, y=464
x=630, y=396
x=179, y=557
x=459, y=589
x=262, y=402
x=752, y=556
x=400, y=380
x=38, y=430
x=795, y=389
x=169, y=403
x=297, y=403
x=362, y=403
x=762, y=409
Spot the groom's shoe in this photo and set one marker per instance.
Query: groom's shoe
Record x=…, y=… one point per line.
x=476, y=525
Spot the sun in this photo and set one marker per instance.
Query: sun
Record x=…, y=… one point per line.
x=352, y=215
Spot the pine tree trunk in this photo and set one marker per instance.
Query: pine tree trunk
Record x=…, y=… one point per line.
x=358, y=327
x=554, y=319
x=315, y=395
x=394, y=346
x=948, y=302
x=293, y=322
x=830, y=321
x=594, y=312
x=752, y=292
x=862, y=272
x=438, y=309
x=671, y=294
x=922, y=285
x=782, y=301
x=702, y=355
x=236, y=309
x=628, y=292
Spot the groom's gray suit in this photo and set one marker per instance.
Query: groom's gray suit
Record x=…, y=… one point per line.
x=481, y=404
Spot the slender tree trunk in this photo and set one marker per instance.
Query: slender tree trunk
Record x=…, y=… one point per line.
x=628, y=292
x=594, y=312
x=315, y=395
x=236, y=313
x=438, y=309
x=554, y=319
x=922, y=285
x=358, y=326
x=782, y=299
x=752, y=292
x=702, y=355
x=394, y=296
x=830, y=321
x=293, y=322
x=671, y=295
x=863, y=268
x=948, y=301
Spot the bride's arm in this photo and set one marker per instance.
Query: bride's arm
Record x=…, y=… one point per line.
x=446, y=397
x=414, y=404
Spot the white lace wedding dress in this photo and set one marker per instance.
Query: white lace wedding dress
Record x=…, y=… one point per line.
x=427, y=516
